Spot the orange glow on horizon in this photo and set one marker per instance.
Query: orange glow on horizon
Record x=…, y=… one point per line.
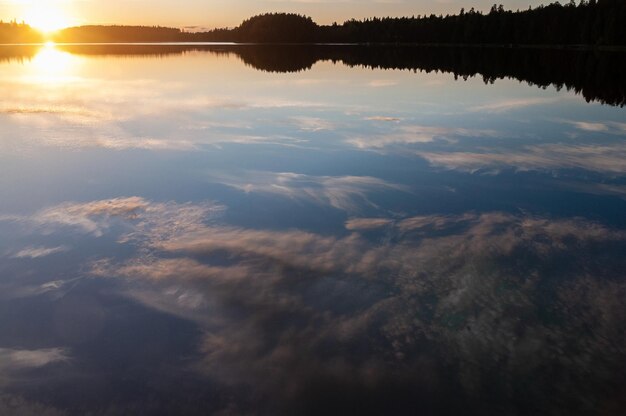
x=48, y=21
x=51, y=15
x=47, y=16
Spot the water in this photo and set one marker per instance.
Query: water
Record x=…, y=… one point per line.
x=243, y=230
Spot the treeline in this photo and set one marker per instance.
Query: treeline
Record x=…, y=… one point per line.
x=118, y=34
x=589, y=22
x=14, y=32
x=268, y=28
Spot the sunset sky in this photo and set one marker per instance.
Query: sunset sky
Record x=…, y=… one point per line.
x=53, y=14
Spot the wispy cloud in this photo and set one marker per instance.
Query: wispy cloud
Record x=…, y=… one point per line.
x=514, y=104
x=348, y=193
x=598, y=158
x=96, y=217
x=13, y=360
x=383, y=118
x=313, y=123
x=367, y=223
x=438, y=288
x=412, y=134
x=277, y=271
x=114, y=109
x=37, y=252
x=610, y=127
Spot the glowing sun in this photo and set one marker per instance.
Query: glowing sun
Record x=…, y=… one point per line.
x=48, y=21
x=47, y=17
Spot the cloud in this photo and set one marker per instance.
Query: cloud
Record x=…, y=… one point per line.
x=37, y=252
x=12, y=360
x=53, y=289
x=13, y=364
x=590, y=126
x=413, y=134
x=366, y=223
x=280, y=277
x=347, y=193
x=383, y=118
x=433, y=222
x=471, y=297
x=514, y=104
x=97, y=217
x=115, y=112
x=94, y=217
x=598, y=158
x=600, y=127
x=312, y=123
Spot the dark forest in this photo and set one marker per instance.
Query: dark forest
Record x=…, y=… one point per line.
x=592, y=22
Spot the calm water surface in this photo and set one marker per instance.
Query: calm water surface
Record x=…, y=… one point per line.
x=309, y=231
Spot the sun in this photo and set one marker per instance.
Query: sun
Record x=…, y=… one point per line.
x=47, y=19
x=48, y=16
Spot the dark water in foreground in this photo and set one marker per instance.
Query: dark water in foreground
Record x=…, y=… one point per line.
x=240, y=230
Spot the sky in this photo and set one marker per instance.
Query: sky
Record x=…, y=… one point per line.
x=53, y=14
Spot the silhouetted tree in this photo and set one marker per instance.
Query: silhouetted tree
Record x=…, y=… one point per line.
x=14, y=32
x=602, y=22
x=277, y=28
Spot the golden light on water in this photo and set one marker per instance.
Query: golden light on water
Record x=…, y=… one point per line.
x=52, y=67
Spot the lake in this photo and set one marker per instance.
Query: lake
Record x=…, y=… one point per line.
x=268, y=230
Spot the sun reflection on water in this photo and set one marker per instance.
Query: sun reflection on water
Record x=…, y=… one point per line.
x=51, y=66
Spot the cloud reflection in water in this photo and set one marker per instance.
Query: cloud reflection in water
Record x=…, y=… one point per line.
x=354, y=262
x=450, y=305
